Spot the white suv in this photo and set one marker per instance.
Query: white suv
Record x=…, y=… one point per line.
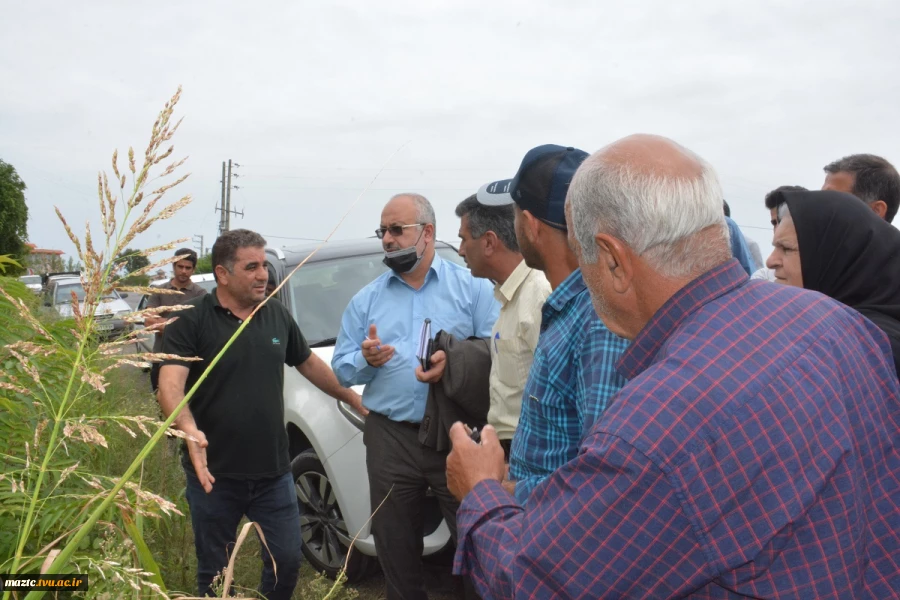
x=329, y=459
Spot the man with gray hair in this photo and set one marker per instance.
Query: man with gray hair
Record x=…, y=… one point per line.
x=753, y=451
x=488, y=244
x=381, y=331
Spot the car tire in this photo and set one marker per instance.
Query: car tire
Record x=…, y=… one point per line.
x=321, y=522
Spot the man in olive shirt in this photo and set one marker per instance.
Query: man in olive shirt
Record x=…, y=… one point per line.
x=181, y=281
x=237, y=460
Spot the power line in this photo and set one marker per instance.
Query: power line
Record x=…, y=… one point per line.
x=385, y=189
x=357, y=176
x=297, y=168
x=282, y=237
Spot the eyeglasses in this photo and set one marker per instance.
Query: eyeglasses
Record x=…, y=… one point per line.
x=394, y=230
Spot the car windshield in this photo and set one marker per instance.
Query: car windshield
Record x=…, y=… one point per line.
x=64, y=293
x=320, y=291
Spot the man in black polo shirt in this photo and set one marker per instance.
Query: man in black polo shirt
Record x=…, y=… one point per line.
x=181, y=281
x=237, y=462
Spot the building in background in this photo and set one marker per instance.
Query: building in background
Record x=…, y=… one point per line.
x=43, y=260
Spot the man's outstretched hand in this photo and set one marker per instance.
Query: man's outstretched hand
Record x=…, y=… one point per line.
x=197, y=444
x=470, y=462
x=355, y=400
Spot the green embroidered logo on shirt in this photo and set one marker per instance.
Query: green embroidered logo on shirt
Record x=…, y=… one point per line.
x=276, y=341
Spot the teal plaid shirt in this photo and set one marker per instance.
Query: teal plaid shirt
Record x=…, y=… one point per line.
x=570, y=384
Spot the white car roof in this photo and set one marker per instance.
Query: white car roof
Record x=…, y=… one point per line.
x=66, y=280
x=195, y=278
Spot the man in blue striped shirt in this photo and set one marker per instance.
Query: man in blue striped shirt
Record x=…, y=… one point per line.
x=573, y=376
x=377, y=347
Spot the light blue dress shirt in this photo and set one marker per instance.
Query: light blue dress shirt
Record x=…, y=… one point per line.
x=454, y=301
x=739, y=248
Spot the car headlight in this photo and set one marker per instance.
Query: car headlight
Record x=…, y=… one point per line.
x=121, y=314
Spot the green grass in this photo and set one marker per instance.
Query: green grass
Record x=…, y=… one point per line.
x=170, y=539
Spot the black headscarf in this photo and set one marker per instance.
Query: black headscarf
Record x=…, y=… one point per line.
x=851, y=254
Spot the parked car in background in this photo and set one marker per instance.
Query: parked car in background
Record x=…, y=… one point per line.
x=329, y=458
x=32, y=282
x=109, y=315
x=47, y=278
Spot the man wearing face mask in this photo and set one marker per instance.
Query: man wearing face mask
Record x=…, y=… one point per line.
x=377, y=347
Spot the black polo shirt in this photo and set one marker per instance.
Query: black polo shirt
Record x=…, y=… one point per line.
x=240, y=404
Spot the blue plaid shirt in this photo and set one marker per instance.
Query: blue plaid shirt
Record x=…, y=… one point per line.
x=571, y=381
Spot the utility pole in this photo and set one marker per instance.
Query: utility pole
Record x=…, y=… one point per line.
x=225, y=209
x=222, y=206
x=201, y=243
x=228, y=200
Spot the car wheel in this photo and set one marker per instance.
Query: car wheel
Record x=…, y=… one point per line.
x=325, y=536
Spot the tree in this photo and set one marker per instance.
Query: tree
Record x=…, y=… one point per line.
x=54, y=264
x=132, y=260
x=73, y=265
x=7, y=261
x=204, y=264
x=14, y=221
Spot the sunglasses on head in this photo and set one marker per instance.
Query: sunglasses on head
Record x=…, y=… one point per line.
x=394, y=230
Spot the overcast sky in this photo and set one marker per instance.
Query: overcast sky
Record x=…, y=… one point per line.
x=311, y=98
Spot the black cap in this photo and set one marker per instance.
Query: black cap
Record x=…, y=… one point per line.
x=541, y=184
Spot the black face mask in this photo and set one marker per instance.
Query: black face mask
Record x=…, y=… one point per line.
x=404, y=260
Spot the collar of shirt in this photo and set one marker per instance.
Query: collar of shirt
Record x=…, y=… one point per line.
x=706, y=288
x=565, y=292
x=214, y=298
x=434, y=270
x=172, y=286
x=506, y=292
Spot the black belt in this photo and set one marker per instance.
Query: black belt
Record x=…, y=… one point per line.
x=408, y=424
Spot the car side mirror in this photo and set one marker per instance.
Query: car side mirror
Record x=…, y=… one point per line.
x=125, y=295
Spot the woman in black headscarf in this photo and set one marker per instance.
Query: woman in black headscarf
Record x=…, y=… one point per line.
x=833, y=243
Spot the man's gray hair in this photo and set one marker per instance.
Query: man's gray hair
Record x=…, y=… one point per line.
x=499, y=219
x=656, y=216
x=424, y=210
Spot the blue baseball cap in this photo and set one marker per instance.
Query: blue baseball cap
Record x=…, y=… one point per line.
x=540, y=185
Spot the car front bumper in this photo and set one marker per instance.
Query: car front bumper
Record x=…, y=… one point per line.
x=109, y=329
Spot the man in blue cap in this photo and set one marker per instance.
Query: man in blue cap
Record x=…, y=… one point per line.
x=573, y=375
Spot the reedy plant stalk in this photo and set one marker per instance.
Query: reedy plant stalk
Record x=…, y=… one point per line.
x=97, y=282
x=123, y=238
